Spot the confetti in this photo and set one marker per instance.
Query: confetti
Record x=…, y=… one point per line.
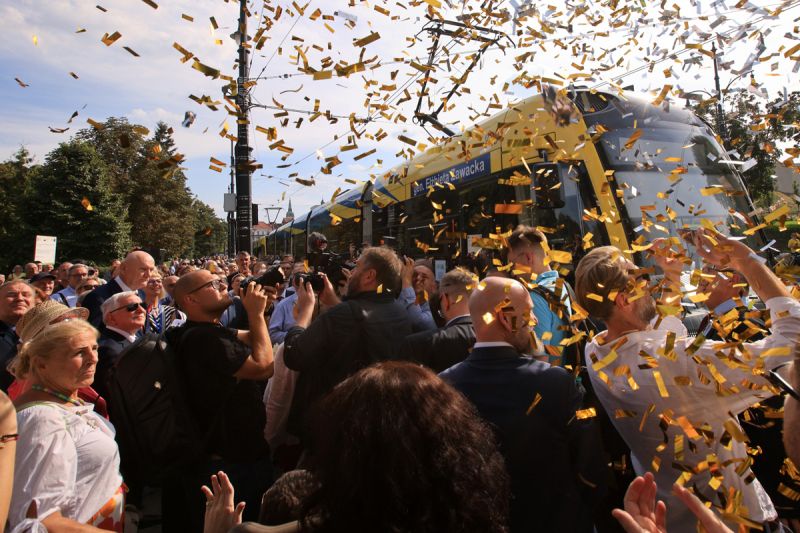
x=108, y=40
x=21, y=83
x=86, y=204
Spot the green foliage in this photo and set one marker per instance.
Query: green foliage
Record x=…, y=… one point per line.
x=134, y=184
x=14, y=175
x=70, y=197
x=751, y=136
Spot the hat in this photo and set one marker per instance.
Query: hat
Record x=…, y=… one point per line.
x=40, y=316
x=42, y=275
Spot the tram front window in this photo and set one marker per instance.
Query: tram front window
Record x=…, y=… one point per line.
x=672, y=178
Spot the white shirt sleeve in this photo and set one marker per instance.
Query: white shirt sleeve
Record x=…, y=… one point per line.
x=46, y=465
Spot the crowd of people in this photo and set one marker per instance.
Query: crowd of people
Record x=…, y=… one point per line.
x=379, y=398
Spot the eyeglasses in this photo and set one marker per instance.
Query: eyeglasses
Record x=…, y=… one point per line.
x=214, y=283
x=154, y=282
x=130, y=307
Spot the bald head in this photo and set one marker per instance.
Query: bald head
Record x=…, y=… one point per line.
x=501, y=311
x=136, y=268
x=189, y=282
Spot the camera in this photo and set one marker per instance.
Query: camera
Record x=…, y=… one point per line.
x=314, y=278
x=271, y=277
x=329, y=264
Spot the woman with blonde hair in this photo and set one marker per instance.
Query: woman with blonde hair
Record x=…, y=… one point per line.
x=160, y=316
x=67, y=465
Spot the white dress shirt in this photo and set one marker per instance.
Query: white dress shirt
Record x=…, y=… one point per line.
x=663, y=404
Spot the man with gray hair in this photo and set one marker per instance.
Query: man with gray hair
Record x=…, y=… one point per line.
x=132, y=274
x=439, y=349
x=76, y=275
x=123, y=319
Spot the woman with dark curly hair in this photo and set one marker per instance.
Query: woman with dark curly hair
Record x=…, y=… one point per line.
x=395, y=449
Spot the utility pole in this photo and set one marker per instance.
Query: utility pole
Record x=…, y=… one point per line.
x=721, y=129
x=231, y=215
x=244, y=184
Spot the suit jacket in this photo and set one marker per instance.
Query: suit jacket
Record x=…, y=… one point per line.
x=110, y=346
x=95, y=299
x=8, y=350
x=439, y=349
x=552, y=456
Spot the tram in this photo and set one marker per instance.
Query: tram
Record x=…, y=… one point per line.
x=621, y=170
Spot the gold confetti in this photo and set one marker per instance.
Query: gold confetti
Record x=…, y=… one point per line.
x=534, y=403
x=151, y=3
x=130, y=51
x=662, y=389
x=86, y=204
x=108, y=40
x=583, y=414
x=21, y=83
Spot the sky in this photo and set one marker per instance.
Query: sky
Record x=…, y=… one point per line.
x=647, y=45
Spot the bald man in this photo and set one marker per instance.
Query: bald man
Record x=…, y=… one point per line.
x=132, y=275
x=554, y=458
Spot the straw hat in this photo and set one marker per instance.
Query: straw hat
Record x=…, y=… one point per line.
x=40, y=316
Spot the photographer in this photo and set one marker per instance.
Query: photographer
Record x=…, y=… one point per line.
x=367, y=327
x=283, y=317
x=221, y=369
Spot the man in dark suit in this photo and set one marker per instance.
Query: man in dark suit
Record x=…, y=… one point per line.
x=132, y=275
x=16, y=297
x=550, y=444
x=439, y=349
x=123, y=319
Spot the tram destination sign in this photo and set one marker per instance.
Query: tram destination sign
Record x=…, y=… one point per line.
x=461, y=173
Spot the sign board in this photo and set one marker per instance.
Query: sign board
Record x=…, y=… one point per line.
x=440, y=267
x=473, y=248
x=45, y=249
x=229, y=202
x=461, y=173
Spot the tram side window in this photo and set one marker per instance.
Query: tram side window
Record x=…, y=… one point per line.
x=546, y=186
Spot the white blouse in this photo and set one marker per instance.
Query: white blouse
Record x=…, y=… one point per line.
x=67, y=461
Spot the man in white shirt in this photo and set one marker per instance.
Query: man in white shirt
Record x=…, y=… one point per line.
x=132, y=274
x=674, y=399
x=77, y=274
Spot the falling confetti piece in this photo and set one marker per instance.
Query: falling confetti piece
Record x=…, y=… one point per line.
x=130, y=51
x=86, y=204
x=21, y=83
x=151, y=3
x=73, y=75
x=35, y=41
x=108, y=40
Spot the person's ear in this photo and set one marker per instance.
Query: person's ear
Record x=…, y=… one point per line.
x=621, y=301
x=504, y=320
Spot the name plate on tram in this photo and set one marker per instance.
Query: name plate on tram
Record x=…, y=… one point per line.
x=461, y=173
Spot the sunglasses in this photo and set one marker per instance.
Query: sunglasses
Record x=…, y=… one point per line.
x=214, y=283
x=130, y=307
x=154, y=282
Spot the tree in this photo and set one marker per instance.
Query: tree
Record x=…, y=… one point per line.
x=14, y=176
x=147, y=176
x=750, y=135
x=210, y=231
x=163, y=138
x=70, y=197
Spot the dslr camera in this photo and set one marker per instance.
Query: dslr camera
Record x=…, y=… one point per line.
x=271, y=277
x=326, y=263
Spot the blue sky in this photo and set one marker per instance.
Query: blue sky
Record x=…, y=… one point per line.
x=156, y=85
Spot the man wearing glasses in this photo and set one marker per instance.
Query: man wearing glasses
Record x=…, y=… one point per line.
x=123, y=319
x=223, y=369
x=69, y=296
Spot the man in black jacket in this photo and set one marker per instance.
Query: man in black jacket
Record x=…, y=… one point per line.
x=16, y=297
x=551, y=447
x=132, y=275
x=123, y=319
x=368, y=327
x=441, y=348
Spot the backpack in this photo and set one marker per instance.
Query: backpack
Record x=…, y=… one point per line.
x=156, y=432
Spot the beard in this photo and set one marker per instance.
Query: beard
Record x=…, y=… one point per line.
x=646, y=310
x=353, y=285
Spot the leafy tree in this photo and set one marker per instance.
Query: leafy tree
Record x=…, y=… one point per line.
x=751, y=136
x=70, y=196
x=210, y=231
x=14, y=176
x=122, y=146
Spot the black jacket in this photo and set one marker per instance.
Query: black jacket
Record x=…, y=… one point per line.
x=95, y=299
x=8, y=350
x=109, y=347
x=439, y=349
x=552, y=456
x=367, y=328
